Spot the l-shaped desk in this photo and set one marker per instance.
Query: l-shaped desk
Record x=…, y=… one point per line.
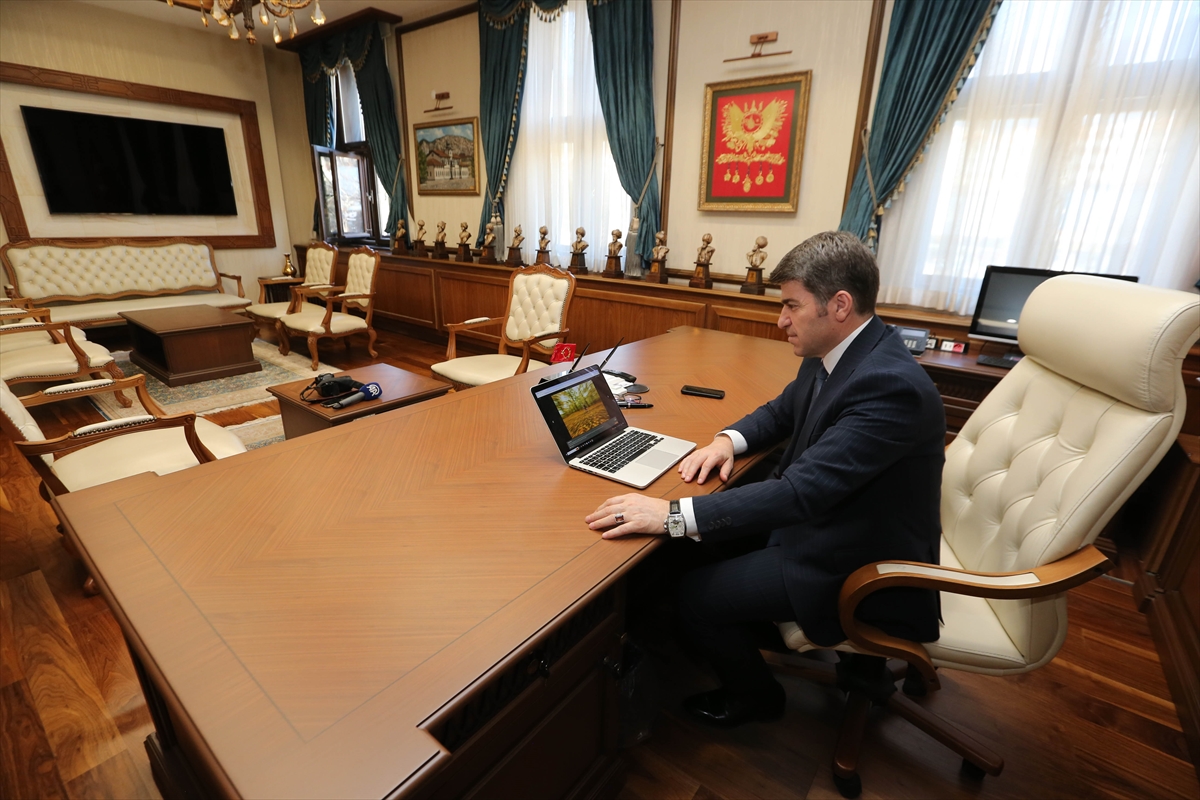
x=409, y=605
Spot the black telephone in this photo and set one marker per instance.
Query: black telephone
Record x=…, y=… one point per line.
x=915, y=339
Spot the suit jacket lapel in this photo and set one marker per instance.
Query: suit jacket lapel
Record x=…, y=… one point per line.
x=805, y=379
x=858, y=350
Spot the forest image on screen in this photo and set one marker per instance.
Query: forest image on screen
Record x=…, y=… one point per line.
x=581, y=408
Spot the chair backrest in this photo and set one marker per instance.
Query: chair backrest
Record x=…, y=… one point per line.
x=319, y=264
x=1063, y=440
x=360, y=274
x=540, y=297
x=15, y=420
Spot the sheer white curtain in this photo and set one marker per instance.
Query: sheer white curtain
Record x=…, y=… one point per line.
x=1074, y=145
x=562, y=174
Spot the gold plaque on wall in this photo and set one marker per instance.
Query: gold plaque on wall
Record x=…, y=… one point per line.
x=753, y=145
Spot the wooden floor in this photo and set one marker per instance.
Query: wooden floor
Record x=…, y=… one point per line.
x=1096, y=722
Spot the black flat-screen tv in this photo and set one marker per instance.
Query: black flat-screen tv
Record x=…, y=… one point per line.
x=1002, y=297
x=98, y=164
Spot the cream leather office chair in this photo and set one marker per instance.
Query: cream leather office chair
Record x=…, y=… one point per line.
x=539, y=298
x=319, y=266
x=315, y=322
x=1038, y=470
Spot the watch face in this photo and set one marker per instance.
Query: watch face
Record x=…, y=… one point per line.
x=676, y=525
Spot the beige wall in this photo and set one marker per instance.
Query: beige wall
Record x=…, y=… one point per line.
x=443, y=57
x=285, y=82
x=96, y=41
x=828, y=37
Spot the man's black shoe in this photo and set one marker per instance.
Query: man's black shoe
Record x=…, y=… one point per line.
x=724, y=709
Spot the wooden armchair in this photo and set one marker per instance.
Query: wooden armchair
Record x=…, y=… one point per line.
x=1038, y=470
x=316, y=323
x=319, y=267
x=114, y=449
x=43, y=351
x=536, y=318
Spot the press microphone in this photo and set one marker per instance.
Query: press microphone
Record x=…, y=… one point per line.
x=369, y=391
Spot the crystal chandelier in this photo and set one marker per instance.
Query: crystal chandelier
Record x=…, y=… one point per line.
x=269, y=13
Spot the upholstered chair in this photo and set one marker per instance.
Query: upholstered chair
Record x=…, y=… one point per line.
x=316, y=322
x=108, y=451
x=33, y=359
x=536, y=319
x=1033, y=477
x=30, y=318
x=319, y=266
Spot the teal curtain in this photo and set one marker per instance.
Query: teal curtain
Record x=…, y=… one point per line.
x=383, y=133
x=623, y=52
x=503, y=34
x=362, y=46
x=926, y=47
x=318, y=113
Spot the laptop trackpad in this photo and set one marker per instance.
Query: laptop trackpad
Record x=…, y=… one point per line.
x=656, y=459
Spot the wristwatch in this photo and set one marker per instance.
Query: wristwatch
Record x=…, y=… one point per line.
x=675, y=523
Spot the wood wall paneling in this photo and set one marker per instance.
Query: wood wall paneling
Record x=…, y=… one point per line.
x=10, y=202
x=407, y=294
x=468, y=295
x=601, y=318
x=748, y=322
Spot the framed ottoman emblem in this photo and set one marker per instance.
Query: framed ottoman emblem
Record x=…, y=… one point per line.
x=753, y=144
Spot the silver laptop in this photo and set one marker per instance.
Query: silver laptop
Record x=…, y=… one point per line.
x=593, y=436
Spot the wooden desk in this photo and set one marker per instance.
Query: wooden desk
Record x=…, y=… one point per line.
x=422, y=613
x=400, y=388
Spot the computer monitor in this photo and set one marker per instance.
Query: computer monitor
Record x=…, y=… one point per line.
x=1002, y=297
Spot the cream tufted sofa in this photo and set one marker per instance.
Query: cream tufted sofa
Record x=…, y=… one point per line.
x=1038, y=470
x=535, y=321
x=90, y=285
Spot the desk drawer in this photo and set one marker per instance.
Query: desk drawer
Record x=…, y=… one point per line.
x=541, y=722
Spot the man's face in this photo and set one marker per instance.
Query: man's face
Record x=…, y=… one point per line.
x=808, y=325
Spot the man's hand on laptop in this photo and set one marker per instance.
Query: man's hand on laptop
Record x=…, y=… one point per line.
x=629, y=513
x=699, y=463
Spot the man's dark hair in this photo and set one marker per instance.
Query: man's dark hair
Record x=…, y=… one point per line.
x=828, y=263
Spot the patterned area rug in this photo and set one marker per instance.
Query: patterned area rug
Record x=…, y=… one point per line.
x=209, y=397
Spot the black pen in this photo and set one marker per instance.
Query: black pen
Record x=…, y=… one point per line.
x=623, y=404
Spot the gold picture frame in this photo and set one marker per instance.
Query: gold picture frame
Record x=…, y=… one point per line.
x=752, y=154
x=455, y=172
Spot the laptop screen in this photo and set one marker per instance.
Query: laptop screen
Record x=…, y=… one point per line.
x=579, y=409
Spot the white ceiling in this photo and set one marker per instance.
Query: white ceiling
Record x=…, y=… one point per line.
x=410, y=10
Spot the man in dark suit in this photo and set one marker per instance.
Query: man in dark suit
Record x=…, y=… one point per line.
x=859, y=481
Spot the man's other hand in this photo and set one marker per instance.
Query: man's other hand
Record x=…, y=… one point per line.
x=700, y=463
x=629, y=513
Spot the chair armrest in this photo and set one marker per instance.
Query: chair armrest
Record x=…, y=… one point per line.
x=1058, y=576
x=93, y=434
x=300, y=293
x=238, y=278
x=60, y=332
x=63, y=391
x=320, y=289
x=453, y=328
x=10, y=313
x=527, y=343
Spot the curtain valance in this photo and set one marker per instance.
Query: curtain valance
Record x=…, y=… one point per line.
x=322, y=58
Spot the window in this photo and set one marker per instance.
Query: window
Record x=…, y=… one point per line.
x=1074, y=146
x=354, y=203
x=563, y=175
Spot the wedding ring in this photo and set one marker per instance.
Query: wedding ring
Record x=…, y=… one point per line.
x=620, y=517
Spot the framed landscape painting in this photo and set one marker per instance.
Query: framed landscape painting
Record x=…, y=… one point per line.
x=447, y=156
x=753, y=143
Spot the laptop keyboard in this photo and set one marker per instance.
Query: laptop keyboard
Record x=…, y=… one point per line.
x=621, y=451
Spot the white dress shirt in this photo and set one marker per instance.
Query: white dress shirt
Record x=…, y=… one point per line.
x=740, y=446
